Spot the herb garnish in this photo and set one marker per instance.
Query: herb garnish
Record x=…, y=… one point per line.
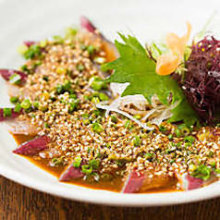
x=136, y=67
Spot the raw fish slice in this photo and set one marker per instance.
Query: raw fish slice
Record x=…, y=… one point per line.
x=21, y=127
x=133, y=183
x=6, y=74
x=33, y=147
x=188, y=182
x=87, y=24
x=157, y=181
x=13, y=90
x=108, y=46
x=13, y=115
x=71, y=173
x=141, y=182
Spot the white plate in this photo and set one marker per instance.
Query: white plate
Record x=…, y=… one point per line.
x=34, y=20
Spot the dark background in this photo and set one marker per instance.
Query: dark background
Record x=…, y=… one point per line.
x=18, y=202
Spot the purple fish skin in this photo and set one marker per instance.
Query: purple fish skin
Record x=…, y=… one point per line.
x=6, y=73
x=33, y=146
x=13, y=115
x=71, y=173
x=134, y=182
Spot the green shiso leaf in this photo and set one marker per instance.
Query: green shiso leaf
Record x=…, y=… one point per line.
x=134, y=66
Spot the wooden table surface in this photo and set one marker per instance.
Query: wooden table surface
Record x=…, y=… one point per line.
x=18, y=202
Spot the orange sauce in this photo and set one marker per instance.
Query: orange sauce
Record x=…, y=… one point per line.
x=115, y=184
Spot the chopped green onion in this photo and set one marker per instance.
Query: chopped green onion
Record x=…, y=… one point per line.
x=189, y=139
x=128, y=124
x=73, y=105
x=61, y=70
x=202, y=172
x=162, y=129
x=45, y=78
x=36, y=64
x=58, y=39
x=170, y=137
x=138, y=117
x=67, y=85
x=7, y=112
x=22, y=49
x=77, y=162
x=97, y=112
x=36, y=104
x=136, y=141
x=103, y=97
x=14, y=99
x=192, y=167
x=97, y=83
x=57, y=161
x=91, y=49
x=217, y=171
x=15, y=79
x=212, y=164
x=59, y=89
x=120, y=163
x=94, y=164
x=46, y=125
x=178, y=132
x=70, y=32
x=26, y=104
x=24, y=68
x=32, y=52
x=114, y=119
x=17, y=108
x=211, y=153
x=87, y=169
x=97, y=127
x=149, y=155
x=80, y=67
x=72, y=96
x=43, y=108
x=95, y=100
x=43, y=43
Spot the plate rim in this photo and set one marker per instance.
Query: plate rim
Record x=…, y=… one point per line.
x=111, y=198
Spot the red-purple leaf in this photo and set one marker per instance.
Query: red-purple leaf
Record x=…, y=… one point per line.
x=202, y=79
x=71, y=173
x=13, y=115
x=33, y=147
x=6, y=74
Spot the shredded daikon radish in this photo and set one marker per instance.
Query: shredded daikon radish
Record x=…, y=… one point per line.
x=109, y=108
x=131, y=105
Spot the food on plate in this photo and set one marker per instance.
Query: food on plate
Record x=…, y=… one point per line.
x=121, y=116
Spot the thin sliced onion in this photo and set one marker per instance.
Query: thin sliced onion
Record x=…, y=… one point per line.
x=109, y=108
